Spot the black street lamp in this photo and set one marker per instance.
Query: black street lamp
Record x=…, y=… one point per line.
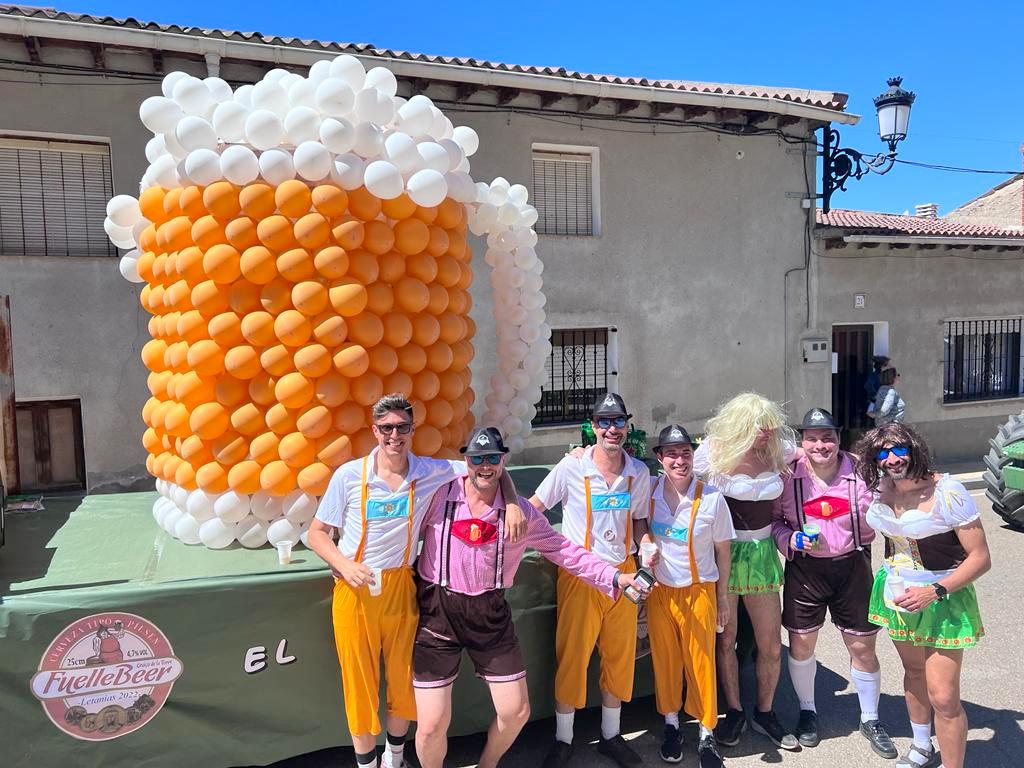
x=839, y=165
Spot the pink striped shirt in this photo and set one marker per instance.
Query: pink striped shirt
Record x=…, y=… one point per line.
x=473, y=568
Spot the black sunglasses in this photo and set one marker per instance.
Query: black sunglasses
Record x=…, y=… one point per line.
x=493, y=459
x=403, y=429
x=618, y=421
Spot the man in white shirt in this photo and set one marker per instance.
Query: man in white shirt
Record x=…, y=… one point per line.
x=604, y=495
x=377, y=504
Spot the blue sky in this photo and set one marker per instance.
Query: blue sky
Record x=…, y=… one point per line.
x=963, y=61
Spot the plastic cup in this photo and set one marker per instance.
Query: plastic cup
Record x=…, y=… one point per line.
x=897, y=585
x=647, y=551
x=375, y=585
x=284, y=552
x=812, y=530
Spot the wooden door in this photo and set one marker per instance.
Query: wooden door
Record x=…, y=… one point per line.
x=853, y=344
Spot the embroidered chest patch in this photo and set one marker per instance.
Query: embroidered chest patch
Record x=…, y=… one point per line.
x=668, y=532
x=384, y=509
x=609, y=502
x=474, y=531
x=827, y=507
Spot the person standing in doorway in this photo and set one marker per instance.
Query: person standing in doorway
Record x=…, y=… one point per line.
x=888, y=406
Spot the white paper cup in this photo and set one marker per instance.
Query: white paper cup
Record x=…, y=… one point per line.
x=647, y=551
x=896, y=585
x=375, y=585
x=284, y=552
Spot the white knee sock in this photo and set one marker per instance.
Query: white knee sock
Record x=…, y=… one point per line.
x=610, y=721
x=922, y=735
x=802, y=674
x=563, y=726
x=869, y=689
x=394, y=752
x=704, y=731
x=672, y=718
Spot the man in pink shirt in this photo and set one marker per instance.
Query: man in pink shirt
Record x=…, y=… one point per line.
x=818, y=524
x=463, y=571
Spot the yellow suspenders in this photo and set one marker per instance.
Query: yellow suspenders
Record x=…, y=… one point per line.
x=694, y=576
x=364, y=495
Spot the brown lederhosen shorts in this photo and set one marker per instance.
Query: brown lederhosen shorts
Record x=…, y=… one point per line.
x=841, y=584
x=451, y=622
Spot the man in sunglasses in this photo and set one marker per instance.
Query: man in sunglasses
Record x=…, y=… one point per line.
x=604, y=493
x=377, y=505
x=463, y=571
x=819, y=527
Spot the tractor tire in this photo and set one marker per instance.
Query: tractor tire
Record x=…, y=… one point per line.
x=1007, y=502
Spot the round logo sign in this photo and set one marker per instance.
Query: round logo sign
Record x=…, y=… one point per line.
x=105, y=676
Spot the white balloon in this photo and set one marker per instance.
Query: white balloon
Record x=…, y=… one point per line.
x=170, y=80
x=299, y=506
x=244, y=95
x=532, y=283
x=155, y=147
x=229, y=121
x=416, y=116
x=466, y=138
x=123, y=210
x=526, y=237
x=348, y=171
x=239, y=164
x=302, y=93
x=519, y=379
x=335, y=97
x=381, y=79
x=312, y=161
x=203, y=166
x=320, y=70
x=529, y=216
x=516, y=444
x=508, y=214
x=288, y=81
x=525, y=257
x=383, y=180
x=487, y=214
x=533, y=301
x=231, y=506
x=482, y=192
x=518, y=194
x=129, y=267
x=170, y=520
x=440, y=126
x=177, y=151
x=266, y=507
x=518, y=351
x=338, y=135
x=193, y=96
x=119, y=236
x=195, y=133
x=276, y=166
x=529, y=333
x=283, y=530
x=218, y=88
x=518, y=407
x=275, y=75
x=427, y=188
x=160, y=509
x=263, y=129
x=533, y=363
x=187, y=530
x=200, y=505
x=498, y=194
x=374, y=106
x=251, y=533
x=400, y=150
x=349, y=69
x=463, y=166
x=460, y=187
x=506, y=240
x=302, y=124
x=216, y=534
x=269, y=95
x=454, y=153
x=184, y=180
x=517, y=315
x=160, y=114
x=433, y=156
x=369, y=141
x=511, y=425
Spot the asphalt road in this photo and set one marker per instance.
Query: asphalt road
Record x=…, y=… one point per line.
x=992, y=691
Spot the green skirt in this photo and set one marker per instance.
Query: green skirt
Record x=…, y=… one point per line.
x=951, y=623
x=755, y=567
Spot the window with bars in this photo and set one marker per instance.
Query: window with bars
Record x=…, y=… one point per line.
x=982, y=359
x=563, y=192
x=53, y=198
x=577, y=372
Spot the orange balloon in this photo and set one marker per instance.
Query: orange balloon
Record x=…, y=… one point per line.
x=439, y=413
x=367, y=389
x=244, y=297
x=230, y=448
x=425, y=330
x=275, y=232
x=191, y=202
x=208, y=232
x=230, y=391
x=470, y=327
x=438, y=299
x=411, y=295
x=426, y=440
x=153, y=352
x=459, y=301
x=209, y=420
x=330, y=200
x=349, y=418
x=258, y=264
x=263, y=447
x=450, y=214
x=242, y=362
x=151, y=203
x=462, y=354
x=296, y=264
x=294, y=390
x=315, y=478
x=366, y=329
x=398, y=208
x=244, y=477
x=276, y=296
x=438, y=244
x=277, y=360
x=293, y=198
x=329, y=329
x=313, y=360
x=465, y=277
x=380, y=298
x=379, y=238
x=195, y=451
x=177, y=295
x=439, y=357
x=348, y=298
x=397, y=329
x=453, y=327
x=411, y=358
x=383, y=360
x=292, y=328
x=176, y=420
x=351, y=360
x=226, y=329
x=425, y=385
x=297, y=450
x=185, y=476
x=280, y=420
x=363, y=204
x=158, y=268
x=334, y=449
x=363, y=442
x=261, y=388
x=206, y=358
x=193, y=390
x=331, y=389
x=422, y=266
x=257, y=200
x=190, y=264
x=212, y=478
x=258, y=328
x=348, y=233
x=314, y=422
x=310, y=298
x=391, y=267
x=241, y=233
x=398, y=381
x=248, y=419
x=145, y=265
x=277, y=478
x=210, y=298
x=426, y=215
x=448, y=271
x=452, y=385
x=331, y=262
x=157, y=383
x=172, y=201
x=176, y=357
x=221, y=199
x=179, y=233
x=363, y=266
x=312, y=231
x=170, y=467
x=457, y=247
x=411, y=236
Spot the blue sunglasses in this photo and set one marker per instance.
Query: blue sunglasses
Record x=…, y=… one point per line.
x=897, y=450
x=491, y=458
x=618, y=421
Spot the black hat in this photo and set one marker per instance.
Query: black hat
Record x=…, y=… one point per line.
x=610, y=405
x=673, y=434
x=483, y=441
x=818, y=418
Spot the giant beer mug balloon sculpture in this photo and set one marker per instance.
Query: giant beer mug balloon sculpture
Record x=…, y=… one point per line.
x=302, y=242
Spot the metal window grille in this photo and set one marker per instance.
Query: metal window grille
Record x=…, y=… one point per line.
x=563, y=193
x=982, y=359
x=577, y=372
x=53, y=198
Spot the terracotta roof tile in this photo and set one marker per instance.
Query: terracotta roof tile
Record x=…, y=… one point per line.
x=867, y=222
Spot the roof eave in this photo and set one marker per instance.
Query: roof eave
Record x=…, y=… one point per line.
x=1006, y=242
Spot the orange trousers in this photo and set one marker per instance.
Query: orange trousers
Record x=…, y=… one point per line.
x=587, y=617
x=364, y=628
x=681, y=626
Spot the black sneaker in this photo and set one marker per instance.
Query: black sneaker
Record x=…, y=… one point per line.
x=672, y=745
x=707, y=753
x=874, y=732
x=618, y=750
x=807, y=728
x=767, y=724
x=558, y=756
x=727, y=732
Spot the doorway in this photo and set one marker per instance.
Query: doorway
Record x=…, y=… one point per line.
x=853, y=346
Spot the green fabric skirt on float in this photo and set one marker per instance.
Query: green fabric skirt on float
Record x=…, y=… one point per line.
x=755, y=568
x=951, y=623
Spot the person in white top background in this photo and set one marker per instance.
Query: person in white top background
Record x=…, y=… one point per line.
x=377, y=505
x=605, y=496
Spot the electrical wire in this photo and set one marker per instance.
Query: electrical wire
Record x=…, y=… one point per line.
x=955, y=168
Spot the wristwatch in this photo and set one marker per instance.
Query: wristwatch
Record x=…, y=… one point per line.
x=940, y=591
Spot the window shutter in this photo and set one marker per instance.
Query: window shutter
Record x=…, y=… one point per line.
x=53, y=198
x=563, y=193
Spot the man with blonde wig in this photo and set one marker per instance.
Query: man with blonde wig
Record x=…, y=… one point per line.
x=745, y=454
